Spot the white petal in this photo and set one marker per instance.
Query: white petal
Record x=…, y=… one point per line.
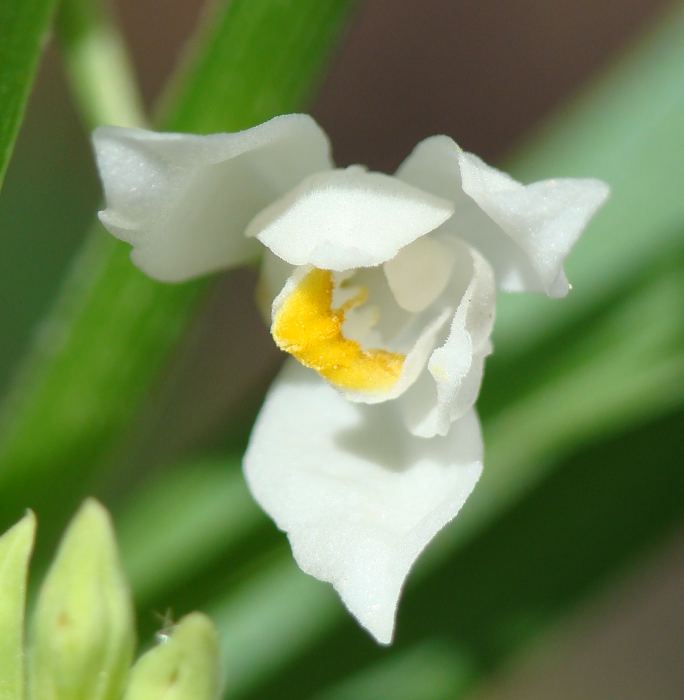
x=452, y=385
x=344, y=219
x=183, y=201
x=419, y=273
x=358, y=496
x=525, y=232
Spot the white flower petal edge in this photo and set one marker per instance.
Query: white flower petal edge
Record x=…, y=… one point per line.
x=363, y=498
x=450, y=387
x=183, y=201
x=345, y=219
x=524, y=231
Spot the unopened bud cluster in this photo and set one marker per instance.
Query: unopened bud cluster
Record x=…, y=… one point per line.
x=82, y=637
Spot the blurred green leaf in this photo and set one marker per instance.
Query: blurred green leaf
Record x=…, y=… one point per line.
x=427, y=671
x=178, y=523
x=111, y=329
x=15, y=550
x=23, y=29
x=263, y=58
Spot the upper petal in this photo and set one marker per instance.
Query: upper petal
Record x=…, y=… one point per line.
x=358, y=496
x=183, y=201
x=525, y=232
x=344, y=219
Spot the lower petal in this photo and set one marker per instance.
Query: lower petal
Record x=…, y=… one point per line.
x=358, y=496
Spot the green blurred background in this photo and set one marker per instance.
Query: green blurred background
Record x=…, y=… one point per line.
x=574, y=589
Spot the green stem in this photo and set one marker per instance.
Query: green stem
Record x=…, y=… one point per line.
x=97, y=64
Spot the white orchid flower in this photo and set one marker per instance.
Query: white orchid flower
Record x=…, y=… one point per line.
x=382, y=289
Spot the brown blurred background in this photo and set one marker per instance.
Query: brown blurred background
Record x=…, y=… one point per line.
x=486, y=72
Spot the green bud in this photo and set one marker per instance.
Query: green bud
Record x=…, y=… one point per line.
x=83, y=638
x=15, y=550
x=185, y=667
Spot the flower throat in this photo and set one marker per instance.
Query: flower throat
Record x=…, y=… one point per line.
x=307, y=327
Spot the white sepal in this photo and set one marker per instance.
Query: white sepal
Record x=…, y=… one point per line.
x=524, y=231
x=183, y=201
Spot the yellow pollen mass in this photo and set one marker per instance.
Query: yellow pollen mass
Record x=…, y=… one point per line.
x=308, y=328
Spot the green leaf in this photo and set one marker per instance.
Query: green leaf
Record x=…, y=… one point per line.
x=111, y=329
x=15, y=550
x=181, y=523
x=23, y=29
x=262, y=58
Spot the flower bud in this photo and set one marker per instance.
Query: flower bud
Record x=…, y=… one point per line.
x=15, y=551
x=185, y=667
x=83, y=637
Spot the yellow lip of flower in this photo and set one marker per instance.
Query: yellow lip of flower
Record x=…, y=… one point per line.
x=308, y=327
